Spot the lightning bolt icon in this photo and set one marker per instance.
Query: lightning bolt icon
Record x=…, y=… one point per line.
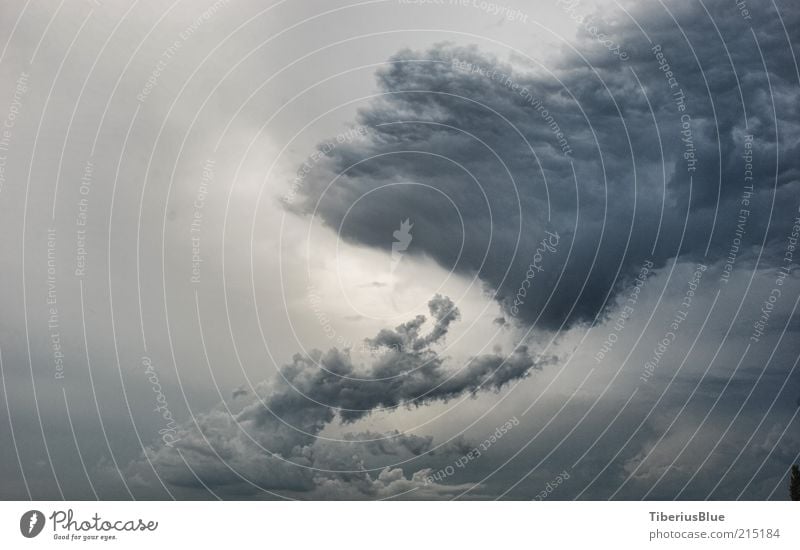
x=34, y=520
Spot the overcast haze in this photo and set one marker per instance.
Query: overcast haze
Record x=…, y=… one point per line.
x=399, y=249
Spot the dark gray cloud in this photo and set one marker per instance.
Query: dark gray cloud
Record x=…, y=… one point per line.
x=274, y=441
x=478, y=165
x=438, y=133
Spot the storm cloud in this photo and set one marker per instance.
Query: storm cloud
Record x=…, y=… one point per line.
x=202, y=295
x=273, y=442
x=645, y=159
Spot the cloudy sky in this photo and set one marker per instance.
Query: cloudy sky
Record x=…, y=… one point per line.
x=399, y=249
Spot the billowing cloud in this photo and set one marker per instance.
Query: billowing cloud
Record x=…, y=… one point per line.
x=273, y=443
x=645, y=159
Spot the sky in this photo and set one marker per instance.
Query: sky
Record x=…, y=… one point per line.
x=399, y=249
